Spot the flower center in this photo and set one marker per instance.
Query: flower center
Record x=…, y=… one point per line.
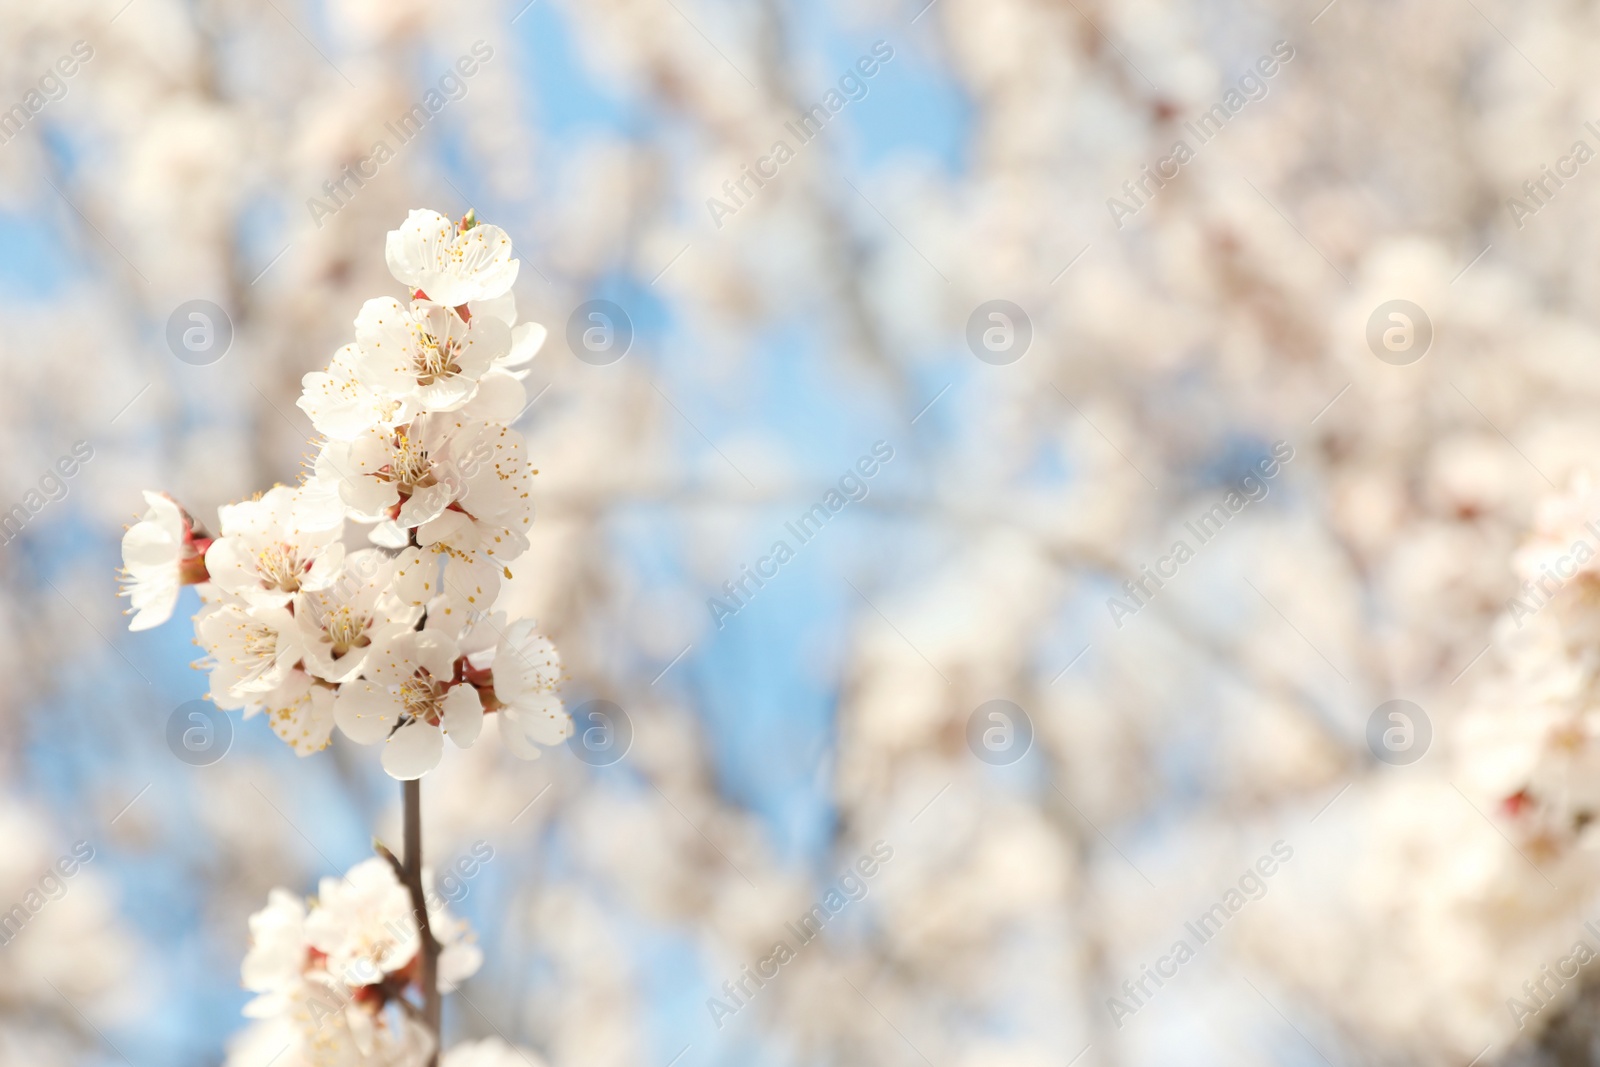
x=436, y=359
x=261, y=642
x=279, y=567
x=409, y=466
x=345, y=629
x=420, y=696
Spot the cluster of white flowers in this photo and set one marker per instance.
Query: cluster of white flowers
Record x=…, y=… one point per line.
x=329, y=974
x=396, y=643
x=1536, y=741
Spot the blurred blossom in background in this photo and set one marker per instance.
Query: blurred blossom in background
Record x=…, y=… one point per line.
x=1071, y=526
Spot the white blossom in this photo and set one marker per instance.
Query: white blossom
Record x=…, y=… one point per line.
x=425, y=356
x=326, y=972
x=490, y=1052
x=272, y=548
x=375, y=599
x=362, y=924
x=251, y=649
x=154, y=550
x=409, y=698
x=340, y=401
x=462, y=484
x=527, y=674
x=428, y=253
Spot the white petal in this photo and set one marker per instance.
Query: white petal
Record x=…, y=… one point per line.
x=152, y=605
x=544, y=720
x=450, y=528
x=148, y=545
x=434, y=652
x=503, y=308
x=418, y=247
x=306, y=724
x=387, y=336
x=500, y=398
x=424, y=505
x=413, y=751
x=526, y=341
x=461, y=715
x=387, y=535
x=366, y=712
x=416, y=577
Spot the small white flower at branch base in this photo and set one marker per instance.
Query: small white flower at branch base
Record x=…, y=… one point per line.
x=409, y=698
x=329, y=976
x=324, y=1026
x=451, y=264
x=426, y=356
x=490, y=1052
x=161, y=553
x=362, y=924
x=272, y=548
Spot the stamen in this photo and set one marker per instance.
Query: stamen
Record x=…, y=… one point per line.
x=279, y=568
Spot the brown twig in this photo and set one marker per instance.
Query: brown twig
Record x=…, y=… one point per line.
x=427, y=971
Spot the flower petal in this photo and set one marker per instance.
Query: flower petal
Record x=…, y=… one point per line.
x=461, y=715
x=413, y=751
x=366, y=712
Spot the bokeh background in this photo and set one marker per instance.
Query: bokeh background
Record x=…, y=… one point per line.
x=1151, y=352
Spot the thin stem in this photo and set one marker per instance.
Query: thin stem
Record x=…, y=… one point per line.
x=427, y=973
